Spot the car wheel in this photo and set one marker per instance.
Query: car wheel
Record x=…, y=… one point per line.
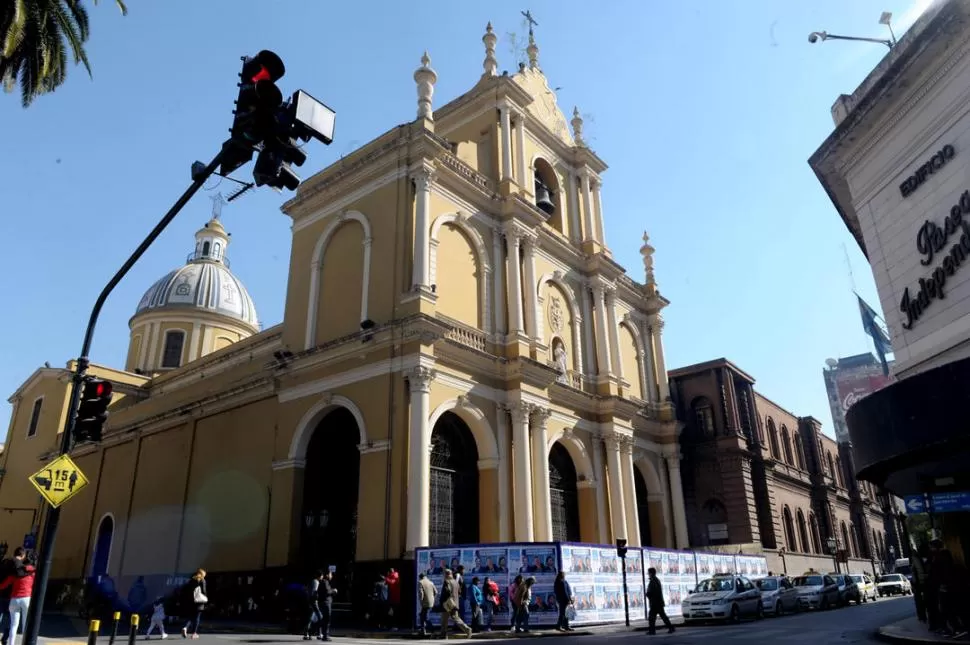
x=859, y=600
x=735, y=616
x=779, y=608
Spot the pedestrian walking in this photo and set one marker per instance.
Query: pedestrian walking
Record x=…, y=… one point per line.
x=7, y=568
x=393, y=580
x=475, y=601
x=325, y=596
x=313, y=598
x=450, y=597
x=194, y=599
x=426, y=596
x=655, y=596
x=20, y=582
x=564, y=598
x=158, y=619
x=524, y=597
x=491, y=593
x=514, y=601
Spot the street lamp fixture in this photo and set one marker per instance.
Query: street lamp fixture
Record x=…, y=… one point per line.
x=884, y=19
x=832, y=544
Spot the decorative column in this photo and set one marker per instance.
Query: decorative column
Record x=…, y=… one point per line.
x=596, y=185
x=498, y=276
x=513, y=276
x=588, y=229
x=614, y=335
x=572, y=203
x=542, y=498
x=580, y=366
x=601, y=327
x=630, y=494
x=504, y=471
x=677, y=498
x=422, y=176
x=520, y=170
x=531, y=304
x=522, y=472
x=419, y=458
x=655, y=326
x=589, y=330
x=425, y=78
x=617, y=505
x=600, y=471
x=505, y=121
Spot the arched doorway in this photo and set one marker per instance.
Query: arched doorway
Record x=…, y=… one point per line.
x=454, y=483
x=330, y=485
x=563, y=495
x=643, y=507
x=102, y=547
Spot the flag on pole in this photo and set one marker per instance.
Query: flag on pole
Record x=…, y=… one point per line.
x=878, y=334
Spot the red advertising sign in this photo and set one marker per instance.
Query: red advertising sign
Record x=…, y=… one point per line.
x=853, y=387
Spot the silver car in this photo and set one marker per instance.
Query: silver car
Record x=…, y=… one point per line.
x=816, y=591
x=778, y=595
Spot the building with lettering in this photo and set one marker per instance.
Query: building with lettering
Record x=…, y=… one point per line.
x=897, y=168
x=461, y=360
x=755, y=474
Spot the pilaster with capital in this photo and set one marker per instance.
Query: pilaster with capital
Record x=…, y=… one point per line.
x=630, y=492
x=505, y=126
x=617, y=497
x=599, y=470
x=602, y=330
x=504, y=471
x=589, y=231
x=572, y=203
x=498, y=276
x=672, y=456
x=596, y=186
x=423, y=177
x=521, y=169
x=655, y=325
x=542, y=498
x=419, y=471
x=513, y=273
x=531, y=298
x=522, y=471
x=614, y=335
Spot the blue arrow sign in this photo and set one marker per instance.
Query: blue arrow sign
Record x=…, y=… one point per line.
x=915, y=504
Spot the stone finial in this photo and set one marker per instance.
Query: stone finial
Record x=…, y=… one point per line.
x=647, y=252
x=533, y=51
x=577, y=123
x=425, y=77
x=491, y=63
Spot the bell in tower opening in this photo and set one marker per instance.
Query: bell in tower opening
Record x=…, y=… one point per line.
x=544, y=197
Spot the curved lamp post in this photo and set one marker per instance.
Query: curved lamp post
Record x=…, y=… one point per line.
x=884, y=19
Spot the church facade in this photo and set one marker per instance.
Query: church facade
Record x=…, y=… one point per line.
x=460, y=361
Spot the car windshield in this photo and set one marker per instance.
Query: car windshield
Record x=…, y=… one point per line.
x=716, y=584
x=904, y=569
x=892, y=577
x=808, y=581
x=767, y=584
x=857, y=579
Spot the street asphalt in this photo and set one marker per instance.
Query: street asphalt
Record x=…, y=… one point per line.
x=855, y=624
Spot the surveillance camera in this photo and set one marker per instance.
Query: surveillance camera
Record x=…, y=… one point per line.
x=813, y=38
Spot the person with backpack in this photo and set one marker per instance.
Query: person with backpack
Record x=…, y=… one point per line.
x=514, y=601
x=524, y=597
x=450, y=597
x=313, y=597
x=475, y=600
x=491, y=593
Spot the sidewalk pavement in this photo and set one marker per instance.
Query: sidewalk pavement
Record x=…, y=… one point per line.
x=910, y=630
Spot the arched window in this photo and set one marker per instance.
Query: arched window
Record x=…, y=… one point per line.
x=789, y=530
x=803, y=533
x=454, y=483
x=548, y=194
x=714, y=518
x=799, y=451
x=205, y=249
x=704, y=416
x=101, y=558
x=845, y=536
x=831, y=464
x=854, y=537
x=773, y=439
x=564, y=496
x=839, y=474
x=172, y=353
x=816, y=535
x=786, y=445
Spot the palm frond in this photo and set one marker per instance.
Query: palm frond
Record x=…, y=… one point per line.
x=74, y=31
x=121, y=5
x=14, y=33
x=78, y=16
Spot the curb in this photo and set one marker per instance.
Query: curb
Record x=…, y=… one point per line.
x=883, y=634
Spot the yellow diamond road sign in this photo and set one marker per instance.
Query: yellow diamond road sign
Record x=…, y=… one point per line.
x=59, y=481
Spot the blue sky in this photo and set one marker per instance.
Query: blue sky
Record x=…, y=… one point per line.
x=705, y=111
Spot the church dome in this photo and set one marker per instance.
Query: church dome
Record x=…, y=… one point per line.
x=204, y=283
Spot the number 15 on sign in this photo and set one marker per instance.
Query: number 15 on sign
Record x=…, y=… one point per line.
x=59, y=481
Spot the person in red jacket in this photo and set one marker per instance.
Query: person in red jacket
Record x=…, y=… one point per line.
x=393, y=581
x=21, y=582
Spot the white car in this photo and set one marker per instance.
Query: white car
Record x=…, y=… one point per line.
x=893, y=584
x=723, y=597
x=778, y=595
x=816, y=591
x=867, y=588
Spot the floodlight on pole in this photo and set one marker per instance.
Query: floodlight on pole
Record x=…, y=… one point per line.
x=884, y=19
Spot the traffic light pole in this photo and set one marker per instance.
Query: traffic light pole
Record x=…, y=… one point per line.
x=626, y=591
x=46, y=547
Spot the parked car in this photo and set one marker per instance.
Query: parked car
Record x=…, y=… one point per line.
x=867, y=588
x=893, y=584
x=778, y=595
x=848, y=591
x=816, y=591
x=723, y=597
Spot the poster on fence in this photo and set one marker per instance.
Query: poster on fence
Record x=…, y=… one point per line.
x=542, y=563
x=581, y=564
x=752, y=566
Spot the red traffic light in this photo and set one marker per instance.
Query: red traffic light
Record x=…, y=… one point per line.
x=102, y=389
x=265, y=66
x=97, y=388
